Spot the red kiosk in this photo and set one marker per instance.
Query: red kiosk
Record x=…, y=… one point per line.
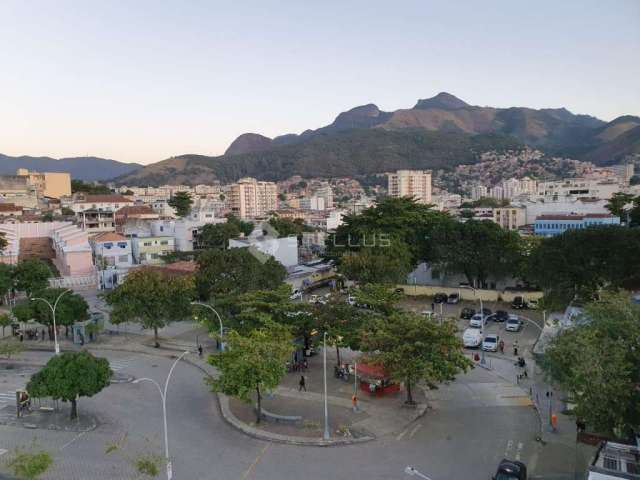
x=375, y=381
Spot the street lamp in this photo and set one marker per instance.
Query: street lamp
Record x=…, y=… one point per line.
x=53, y=313
x=206, y=305
x=412, y=472
x=327, y=435
x=163, y=396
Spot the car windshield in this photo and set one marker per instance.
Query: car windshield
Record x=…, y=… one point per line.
x=505, y=476
x=512, y=320
x=489, y=340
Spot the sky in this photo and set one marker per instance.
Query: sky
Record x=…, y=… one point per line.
x=141, y=81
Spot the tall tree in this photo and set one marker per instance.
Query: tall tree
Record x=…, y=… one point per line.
x=31, y=276
x=381, y=298
x=480, y=250
x=69, y=376
x=598, y=363
x=5, y=321
x=71, y=308
x=217, y=235
x=152, y=298
x=619, y=203
x=388, y=262
x=413, y=350
x=182, y=202
x=253, y=364
x=580, y=263
x=3, y=242
x=235, y=271
x=6, y=279
x=343, y=324
x=245, y=227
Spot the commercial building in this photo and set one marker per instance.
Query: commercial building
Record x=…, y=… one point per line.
x=48, y=184
x=411, y=183
x=552, y=225
x=150, y=250
x=253, y=199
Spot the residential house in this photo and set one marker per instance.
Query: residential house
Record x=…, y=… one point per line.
x=150, y=250
x=113, y=256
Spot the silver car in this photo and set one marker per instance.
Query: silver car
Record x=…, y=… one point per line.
x=514, y=324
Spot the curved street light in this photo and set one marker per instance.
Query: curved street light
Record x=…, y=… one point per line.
x=163, y=396
x=206, y=305
x=53, y=313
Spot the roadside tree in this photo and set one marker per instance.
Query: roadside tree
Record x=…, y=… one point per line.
x=69, y=376
x=32, y=276
x=182, y=202
x=412, y=350
x=151, y=298
x=252, y=364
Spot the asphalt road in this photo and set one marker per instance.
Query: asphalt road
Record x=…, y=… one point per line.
x=464, y=436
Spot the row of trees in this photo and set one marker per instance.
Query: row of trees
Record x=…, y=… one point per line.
x=386, y=242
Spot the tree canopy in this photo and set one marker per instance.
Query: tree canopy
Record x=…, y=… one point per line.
x=252, y=364
x=71, y=308
x=71, y=375
x=223, y=273
x=182, y=202
x=152, y=298
x=412, y=349
x=598, y=363
x=31, y=276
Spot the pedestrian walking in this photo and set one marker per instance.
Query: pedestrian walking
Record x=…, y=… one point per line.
x=302, y=384
x=501, y=346
x=305, y=364
x=200, y=351
x=433, y=307
x=515, y=348
x=42, y=337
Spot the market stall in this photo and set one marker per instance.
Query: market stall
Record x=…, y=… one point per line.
x=375, y=381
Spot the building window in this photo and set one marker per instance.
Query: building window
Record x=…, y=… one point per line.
x=123, y=259
x=147, y=244
x=164, y=242
x=108, y=246
x=122, y=244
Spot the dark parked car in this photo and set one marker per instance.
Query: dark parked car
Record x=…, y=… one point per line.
x=440, y=298
x=467, y=313
x=518, y=303
x=486, y=311
x=500, y=316
x=453, y=298
x=511, y=470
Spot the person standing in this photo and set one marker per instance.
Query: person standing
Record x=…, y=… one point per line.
x=302, y=384
x=501, y=346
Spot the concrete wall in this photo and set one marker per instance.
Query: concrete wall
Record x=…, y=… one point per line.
x=468, y=294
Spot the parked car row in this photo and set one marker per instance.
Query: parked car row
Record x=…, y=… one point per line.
x=520, y=303
x=452, y=298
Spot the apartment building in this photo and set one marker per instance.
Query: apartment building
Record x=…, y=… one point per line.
x=102, y=203
x=18, y=190
x=411, y=183
x=150, y=250
x=47, y=184
x=510, y=218
x=253, y=199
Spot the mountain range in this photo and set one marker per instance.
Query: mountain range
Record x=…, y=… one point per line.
x=438, y=132
x=81, y=168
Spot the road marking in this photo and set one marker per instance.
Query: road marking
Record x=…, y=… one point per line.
x=519, y=451
x=3, y=451
x=508, y=449
x=73, y=440
x=415, y=429
x=402, y=434
x=255, y=462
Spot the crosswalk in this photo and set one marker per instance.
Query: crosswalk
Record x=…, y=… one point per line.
x=7, y=398
x=120, y=363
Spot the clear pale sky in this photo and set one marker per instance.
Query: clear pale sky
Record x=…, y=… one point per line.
x=140, y=81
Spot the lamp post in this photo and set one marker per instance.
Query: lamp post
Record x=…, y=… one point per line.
x=53, y=308
x=412, y=472
x=163, y=396
x=327, y=435
x=206, y=305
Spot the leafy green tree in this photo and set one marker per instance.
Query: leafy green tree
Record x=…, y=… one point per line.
x=289, y=228
x=635, y=180
x=253, y=364
x=387, y=263
x=5, y=321
x=598, y=363
x=23, y=312
x=582, y=262
x=343, y=324
x=151, y=298
x=381, y=298
x=182, y=202
x=67, y=212
x=3, y=242
x=69, y=376
x=478, y=249
x=413, y=350
x=618, y=203
x=236, y=271
x=32, y=276
x=245, y=227
x=30, y=464
x=71, y=308
x=6, y=278
x=217, y=235
x=47, y=217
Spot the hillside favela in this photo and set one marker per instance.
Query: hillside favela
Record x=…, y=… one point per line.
x=278, y=240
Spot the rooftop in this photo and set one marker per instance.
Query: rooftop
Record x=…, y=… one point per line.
x=109, y=237
x=9, y=207
x=574, y=216
x=104, y=199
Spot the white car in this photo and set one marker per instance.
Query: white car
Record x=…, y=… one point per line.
x=472, y=338
x=490, y=343
x=297, y=293
x=427, y=313
x=514, y=324
x=313, y=298
x=351, y=301
x=532, y=304
x=477, y=321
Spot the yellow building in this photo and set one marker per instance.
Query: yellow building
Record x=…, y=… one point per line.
x=150, y=250
x=48, y=184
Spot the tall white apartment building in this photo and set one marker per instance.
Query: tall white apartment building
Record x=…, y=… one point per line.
x=478, y=192
x=325, y=192
x=496, y=192
x=252, y=199
x=411, y=183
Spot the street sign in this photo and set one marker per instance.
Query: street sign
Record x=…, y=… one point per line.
x=169, y=471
